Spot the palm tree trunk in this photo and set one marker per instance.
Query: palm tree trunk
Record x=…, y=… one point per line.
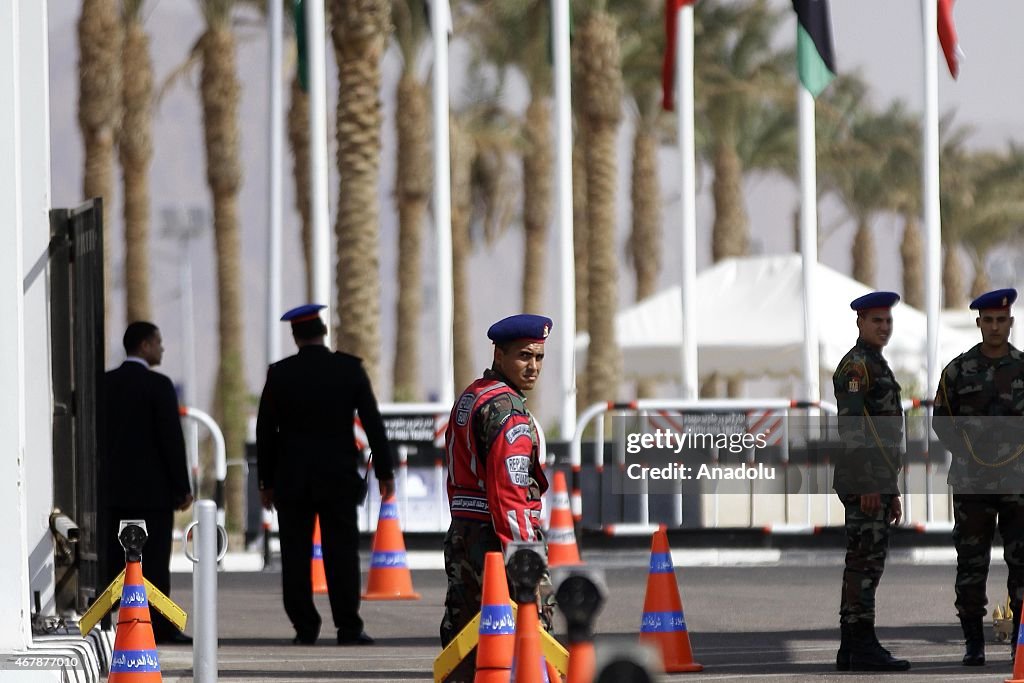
x=981, y=283
x=537, y=175
x=359, y=33
x=220, y=93
x=730, y=233
x=601, y=89
x=646, y=237
x=863, y=253
x=136, y=152
x=462, y=341
x=952, y=278
x=412, y=189
x=99, y=113
x=298, y=140
x=912, y=253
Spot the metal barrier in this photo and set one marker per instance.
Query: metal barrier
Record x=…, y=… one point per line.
x=802, y=512
x=220, y=463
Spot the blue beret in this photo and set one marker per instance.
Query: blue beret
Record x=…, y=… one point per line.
x=524, y=326
x=875, y=300
x=999, y=298
x=302, y=313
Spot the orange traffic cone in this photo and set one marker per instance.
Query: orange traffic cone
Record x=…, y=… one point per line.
x=1018, y=660
x=496, y=645
x=561, y=538
x=528, y=664
x=663, y=623
x=389, y=571
x=316, y=567
x=582, y=664
x=134, y=659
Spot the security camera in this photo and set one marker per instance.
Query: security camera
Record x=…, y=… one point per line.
x=580, y=596
x=132, y=535
x=526, y=565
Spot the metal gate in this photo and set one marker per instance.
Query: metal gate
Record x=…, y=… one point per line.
x=76, y=330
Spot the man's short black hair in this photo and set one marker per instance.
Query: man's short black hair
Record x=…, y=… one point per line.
x=309, y=329
x=136, y=333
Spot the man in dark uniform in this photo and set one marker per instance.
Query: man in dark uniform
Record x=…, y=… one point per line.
x=871, y=429
x=495, y=481
x=979, y=402
x=308, y=466
x=143, y=451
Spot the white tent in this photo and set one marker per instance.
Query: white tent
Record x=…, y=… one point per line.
x=750, y=324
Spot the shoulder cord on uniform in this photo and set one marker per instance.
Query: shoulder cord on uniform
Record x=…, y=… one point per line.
x=878, y=442
x=967, y=440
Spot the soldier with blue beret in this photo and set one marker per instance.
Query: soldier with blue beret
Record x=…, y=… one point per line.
x=871, y=430
x=495, y=481
x=307, y=461
x=977, y=409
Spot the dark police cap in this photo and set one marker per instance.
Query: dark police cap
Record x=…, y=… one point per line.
x=524, y=326
x=998, y=298
x=302, y=313
x=875, y=300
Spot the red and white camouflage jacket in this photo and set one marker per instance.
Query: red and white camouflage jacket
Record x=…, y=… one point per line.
x=494, y=472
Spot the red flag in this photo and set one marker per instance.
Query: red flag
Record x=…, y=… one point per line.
x=947, y=37
x=668, y=64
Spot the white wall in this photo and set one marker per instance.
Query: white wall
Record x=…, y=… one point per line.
x=25, y=406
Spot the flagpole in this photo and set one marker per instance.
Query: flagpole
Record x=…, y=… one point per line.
x=563, y=200
x=439, y=15
x=808, y=239
x=688, y=175
x=930, y=185
x=315, y=32
x=275, y=30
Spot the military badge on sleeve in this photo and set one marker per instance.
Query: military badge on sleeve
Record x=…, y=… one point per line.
x=853, y=386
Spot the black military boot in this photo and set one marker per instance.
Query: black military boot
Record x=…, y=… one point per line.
x=843, y=655
x=867, y=654
x=974, y=641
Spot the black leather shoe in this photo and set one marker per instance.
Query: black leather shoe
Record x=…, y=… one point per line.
x=304, y=640
x=174, y=638
x=361, y=639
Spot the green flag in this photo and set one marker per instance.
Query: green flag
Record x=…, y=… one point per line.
x=814, y=57
x=299, y=13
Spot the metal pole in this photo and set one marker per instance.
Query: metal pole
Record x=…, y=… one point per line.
x=443, y=202
x=563, y=198
x=276, y=125
x=318, y=159
x=687, y=157
x=204, y=597
x=930, y=185
x=808, y=240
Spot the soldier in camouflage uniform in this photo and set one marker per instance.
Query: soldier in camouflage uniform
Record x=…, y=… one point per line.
x=495, y=481
x=977, y=406
x=871, y=430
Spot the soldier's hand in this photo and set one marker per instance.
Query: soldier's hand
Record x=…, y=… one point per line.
x=386, y=488
x=267, y=498
x=185, y=503
x=870, y=503
x=895, y=511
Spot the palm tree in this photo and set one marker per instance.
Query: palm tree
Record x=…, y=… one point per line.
x=741, y=79
x=135, y=147
x=99, y=111
x=359, y=32
x=298, y=142
x=481, y=141
x=643, y=44
x=600, y=85
x=956, y=200
x=412, y=191
x=219, y=87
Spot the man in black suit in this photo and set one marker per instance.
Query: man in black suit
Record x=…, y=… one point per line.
x=308, y=465
x=144, y=460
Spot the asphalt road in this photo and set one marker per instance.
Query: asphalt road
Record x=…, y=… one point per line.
x=746, y=623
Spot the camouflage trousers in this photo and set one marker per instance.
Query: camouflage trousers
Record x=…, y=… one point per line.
x=976, y=517
x=867, y=543
x=465, y=545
